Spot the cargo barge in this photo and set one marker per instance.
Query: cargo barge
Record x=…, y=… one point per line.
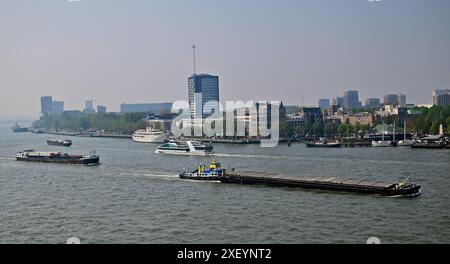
x=323, y=183
x=62, y=143
x=58, y=157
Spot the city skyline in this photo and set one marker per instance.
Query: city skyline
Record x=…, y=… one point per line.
x=140, y=52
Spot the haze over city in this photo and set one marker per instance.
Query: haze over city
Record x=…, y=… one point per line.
x=140, y=51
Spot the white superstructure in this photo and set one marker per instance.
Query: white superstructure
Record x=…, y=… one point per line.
x=149, y=135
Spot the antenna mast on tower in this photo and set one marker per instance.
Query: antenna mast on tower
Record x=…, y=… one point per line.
x=193, y=50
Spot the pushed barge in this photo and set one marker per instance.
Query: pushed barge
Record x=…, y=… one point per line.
x=323, y=183
x=58, y=157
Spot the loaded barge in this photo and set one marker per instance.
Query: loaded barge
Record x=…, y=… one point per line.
x=215, y=172
x=323, y=183
x=58, y=157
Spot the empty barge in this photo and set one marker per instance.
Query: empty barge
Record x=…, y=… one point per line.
x=323, y=183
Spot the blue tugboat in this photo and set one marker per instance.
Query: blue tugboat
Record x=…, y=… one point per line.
x=212, y=172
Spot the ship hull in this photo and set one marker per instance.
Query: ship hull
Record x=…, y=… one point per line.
x=59, y=143
x=321, y=145
x=150, y=139
x=427, y=146
x=185, y=176
x=250, y=179
x=77, y=161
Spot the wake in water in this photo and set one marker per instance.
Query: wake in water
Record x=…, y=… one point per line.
x=4, y=158
x=159, y=175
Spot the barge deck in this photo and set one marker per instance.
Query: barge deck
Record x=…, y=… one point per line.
x=322, y=183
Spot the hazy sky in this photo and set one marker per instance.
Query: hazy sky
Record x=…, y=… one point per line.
x=115, y=51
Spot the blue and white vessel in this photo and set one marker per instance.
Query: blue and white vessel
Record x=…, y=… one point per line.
x=211, y=172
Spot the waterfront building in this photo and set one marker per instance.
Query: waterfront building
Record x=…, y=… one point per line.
x=351, y=99
x=203, y=94
x=362, y=118
x=57, y=107
x=310, y=114
x=46, y=105
x=394, y=110
x=324, y=103
x=373, y=102
x=155, y=108
x=294, y=121
x=262, y=111
x=101, y=109
x=441, y=97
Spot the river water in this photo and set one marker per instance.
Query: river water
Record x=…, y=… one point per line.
x=135, y=196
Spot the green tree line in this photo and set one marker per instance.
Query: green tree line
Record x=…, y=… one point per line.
x=125, y=123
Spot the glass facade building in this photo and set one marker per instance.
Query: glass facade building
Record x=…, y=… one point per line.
x=351, y=100
x=203, y=93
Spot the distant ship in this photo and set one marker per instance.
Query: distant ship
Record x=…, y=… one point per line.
x=149, y=135
x=63, y=143
x=58, y=157
x=193, y=148
x=323, y=143
x=17, y=129
x=430, y=142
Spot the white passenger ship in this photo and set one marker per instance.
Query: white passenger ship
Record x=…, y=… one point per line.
x=149, y=135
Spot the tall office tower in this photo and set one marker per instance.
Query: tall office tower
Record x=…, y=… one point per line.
x=203, y=91
x=89, y=107
x=46, y=105
x=440, y=97
x=390, y=99
x=351, y=99
x=57, y=107
x=324, y=103
x=401, y=100
x=372, y=102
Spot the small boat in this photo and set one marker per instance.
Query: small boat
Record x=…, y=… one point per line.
x=58, y=157
x=323, y=143
x=430, y=142
x=405, y=143
x=63, y=143
x=149, y=135
x=17, y=129
x=212, y=172
x=382, y=143
x=193, y=148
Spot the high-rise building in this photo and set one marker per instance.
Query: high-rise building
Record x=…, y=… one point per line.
x=441, y=97
x=57, y=107
x=101, y=109
x=324, y=103
x=402, y=100
x=351, y=99
x=390, y=99
x=339, y=101
x=372, y=102
x=46, y=105
x=203, y=91
x=89, y=107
